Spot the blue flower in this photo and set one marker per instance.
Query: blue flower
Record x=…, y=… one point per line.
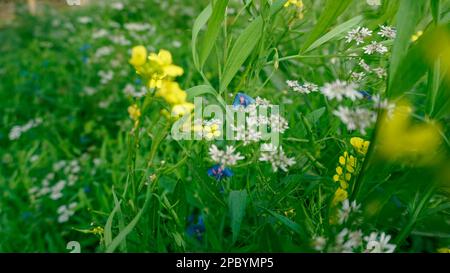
x=85, y=47
x=196, y=229
x=365, y=94
x=242, y=99
x=219, y=172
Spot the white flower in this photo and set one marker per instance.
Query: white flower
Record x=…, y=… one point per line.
x=358, y=76
x=278, y=124
x=358, y=34
x=383, y=104
x=374, y=2
x=375, y=47
x=225, y=158
x=304, y=88
x=364, y=65
x=379, y=243
x=89, y=90
x=276, y=157
x=261, y=101
x=358, y=119
x=56, y=190
x=131, y=91
x=380, y=72
x=117, y=6
x=347, y=241
x=84, y=20
x=105, y=76
x=17, y=131
x=139, y=27
x=65, y=212
x=387, y=32
x=346, y=209
x=319, y=243
x=100, y=34
x=103, y=51
x=340, y=89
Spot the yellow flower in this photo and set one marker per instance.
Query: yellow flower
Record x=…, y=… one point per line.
x=361, y=146
x=416, y=36
x=134, y=112
x=138, y=56
x=182, y=109
x=164, y=60
x=339, y=196
x=297, y=3
x=443, y=250
x=348, y=161
x=172, y=93
x=399, y=140
x=211, y=131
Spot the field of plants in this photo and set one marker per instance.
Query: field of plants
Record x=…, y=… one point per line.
x=226, y=126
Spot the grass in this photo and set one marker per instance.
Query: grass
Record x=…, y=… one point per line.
x=136, y=189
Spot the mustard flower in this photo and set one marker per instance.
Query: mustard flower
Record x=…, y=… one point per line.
x=361, y=146
x=297, y=3
x=339, y=196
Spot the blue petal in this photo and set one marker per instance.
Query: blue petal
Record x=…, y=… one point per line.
x=365, y=94
x=242, y=99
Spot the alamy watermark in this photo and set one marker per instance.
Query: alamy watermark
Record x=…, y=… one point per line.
x=253, y=123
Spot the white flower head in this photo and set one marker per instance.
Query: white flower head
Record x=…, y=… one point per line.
x=341, y=89
x=387, y=32
x=358, y=119
x=226, y=157
x=347, y=209
x=304, y=88
x=379, y=243
x=358, y=34
x=375, y=47
x=276, y=157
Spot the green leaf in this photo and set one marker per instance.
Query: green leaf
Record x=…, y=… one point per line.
x=344, y=27
x=435, y=7
x=315, y=115
x=408, y=14
x=199, y=22
x=241, y=50
x=421, y=57
x=332, y=10
x=237, y=201
x=212, y=32
x=286, y=221
x=108, y=225
x=124, y=233
x=203, y=90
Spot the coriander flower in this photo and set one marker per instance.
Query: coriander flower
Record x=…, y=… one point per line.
x=387, y=32
x=304, y=88
x=276, y=157
x=379, y=243
x=340, y=89
x=358, y=119
x=346, y=210
x=358, y=34
x=226, y=157
x=364, y=65
x=375, y=47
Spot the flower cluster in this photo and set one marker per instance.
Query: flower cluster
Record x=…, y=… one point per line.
x=159, y=73
x=224, y=158
x=347, y=168
x=276, y=157
x=304, y=88
x=17, y=131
